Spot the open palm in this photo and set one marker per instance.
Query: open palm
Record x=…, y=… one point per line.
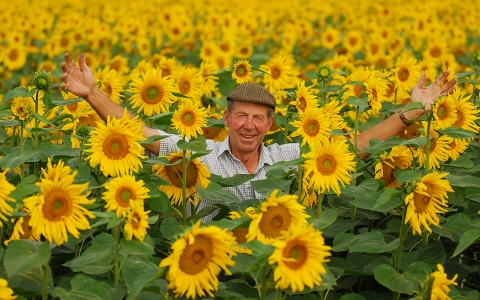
x=77, y=80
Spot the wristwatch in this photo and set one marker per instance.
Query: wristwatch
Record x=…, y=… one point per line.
x=404, y=119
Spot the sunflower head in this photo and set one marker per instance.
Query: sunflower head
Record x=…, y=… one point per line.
x=324, y=73
x=242, y=71
x=41, y=80
x=83, y=130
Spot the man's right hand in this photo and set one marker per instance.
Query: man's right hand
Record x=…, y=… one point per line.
x=77, y=80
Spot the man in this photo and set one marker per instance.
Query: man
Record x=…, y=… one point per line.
x=249, y=115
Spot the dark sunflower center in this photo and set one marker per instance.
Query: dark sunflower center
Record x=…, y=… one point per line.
x=175, y=174
x=184, y=87
x=195, y=257
x=166, y=72
x=403, y=74
x=124, y=195
x=135, y=220
x=211, y=132
x=274, y=221
x=421, y=202
x=326, y=164
x=296, y=251
x=436, y=52
x=57, y=205
x=13, y=55
x=302, y=103
x=115, y=146
x=459, y=121
x=152, y=95
x=442, y=112
x=240, y=235
x=108, y=89
x=241, y=71
x=388, y=169
x=311, y=127
x=276, y=73
x=358, y=90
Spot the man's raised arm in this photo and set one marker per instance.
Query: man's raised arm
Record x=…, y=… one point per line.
x=79, y=80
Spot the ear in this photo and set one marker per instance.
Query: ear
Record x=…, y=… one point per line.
x=270, y=122
x=226, y=119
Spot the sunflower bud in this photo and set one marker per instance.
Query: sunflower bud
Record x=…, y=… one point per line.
x=476, y=58
x=41, y=80
x=83, y=130
x=324, y=73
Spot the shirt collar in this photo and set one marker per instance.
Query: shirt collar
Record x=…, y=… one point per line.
x=264, y=158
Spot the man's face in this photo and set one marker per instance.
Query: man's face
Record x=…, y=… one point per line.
x=248, y=123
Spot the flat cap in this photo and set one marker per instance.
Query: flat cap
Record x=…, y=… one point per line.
x=252, y=92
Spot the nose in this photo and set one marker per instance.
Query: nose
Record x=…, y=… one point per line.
x=249, y=123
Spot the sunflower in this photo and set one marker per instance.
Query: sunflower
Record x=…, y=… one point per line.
x=197, y=259
x=444, y=113
x=209, y=86
x=136, y=223
x=21, y=229
x=115, y=146
x=58, y=209
x=197, y=173
x=242, y=71
x=58, y=171
x=6, y=293
x=120, y=64
x=304, y=98
x=121, y=190
x=330, y=37
x=329, y=164
x=399, y=157
x=14, y=56
x=277, y=214
x=152, y=93
x=314, y=126
x=189, y=83
x=77, y=109
x=299, y=258
x=427, y=199
x=440, y=284
x=21, y=109
x=457, y=147
x=189, y=119
x=240, y=234
x=110, y=82
x=376, y=89
x=439, y=146
x=169, y=66
x=5, y=189
x=215, y=133
x=467, y=113
x=406, y=72
x=279, y=73
x=353, y=41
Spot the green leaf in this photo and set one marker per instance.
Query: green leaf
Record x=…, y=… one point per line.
x=339, y=226
x=14, y=160
x=341, y=241
x=114, y=222
x=24, y=255
x=196, y=145
x=19, y=92
x=216, y=192
x=432, y=254
x=96, y=259
x=361, y=102
x=136, y=247
x=463, y=180
x=368, y=201
x=458, y=133
x=233, y=181
x=281, y=165
x=152, y=139
x=456, y=225
x=47, y=100
x=66, y=102
x=467, y=239
x=418, y=142
x=9, y=123
x=170, y=228
x=366, y=187
x=387, y=276
x=461, y=162
x=387, y=195
x=30, y=283
x=160, y=203
x=42, y=119
x=266, y=186
x=352, y=297
x=25, y=188
x=372, y=242
x=407, y=176
x=84, y=287
x=139, y=275
x=261, y=252
x=413, y=105
x=326, y=219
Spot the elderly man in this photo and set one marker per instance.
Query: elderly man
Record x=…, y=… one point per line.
x=249, y=115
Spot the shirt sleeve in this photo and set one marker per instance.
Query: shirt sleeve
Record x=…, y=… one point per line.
x=168, y=145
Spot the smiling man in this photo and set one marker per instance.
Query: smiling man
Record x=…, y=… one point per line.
x=249, y=115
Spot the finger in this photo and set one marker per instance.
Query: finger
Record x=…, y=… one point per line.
x=82, y=62
x=448, y=85
x=421, y=81
x=441, y=78
x=69, y=60
x=63, y=77
x=450, y=90
x=64, y=67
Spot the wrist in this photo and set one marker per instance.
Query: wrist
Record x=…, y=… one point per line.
x=403, y=117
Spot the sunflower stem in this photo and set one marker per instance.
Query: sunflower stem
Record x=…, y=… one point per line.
x=263, y=293
x=475, y=93
x=319, y=205
x=44, y=281
x=402, y=239
x=184, y=187
x=285, y=132
x=427, y=143
x=21, y=149
x=116, y=270
x=355, y=151
x=425, y=237
x=35, y=134
x=278, y=294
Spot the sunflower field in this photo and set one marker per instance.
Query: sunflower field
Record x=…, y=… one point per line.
x=87, y=211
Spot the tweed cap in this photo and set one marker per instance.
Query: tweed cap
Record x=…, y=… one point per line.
x=252, y=92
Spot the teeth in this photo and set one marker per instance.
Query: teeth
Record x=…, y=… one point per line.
x=248, y=136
